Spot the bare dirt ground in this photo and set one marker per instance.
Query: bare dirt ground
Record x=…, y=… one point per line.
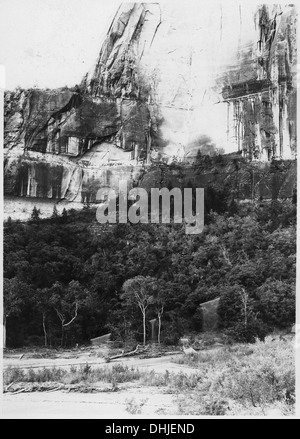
x=61, y=405
x=94, y=358
x=144, y=401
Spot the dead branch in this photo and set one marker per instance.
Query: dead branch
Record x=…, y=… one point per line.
x=19, y=391
x=127, y=354
x=7, y=387
x=54, y=389
x=226, y=256
x=62, y=317
x=76, y=313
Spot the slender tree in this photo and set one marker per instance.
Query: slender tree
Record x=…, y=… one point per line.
x=35, y=215
x=65, y=302
x=159, y=301
x=160, y=311
x=62, y=318
x=138, y=291
x=42, y=303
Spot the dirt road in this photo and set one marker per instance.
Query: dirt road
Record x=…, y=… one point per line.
x=160, y=364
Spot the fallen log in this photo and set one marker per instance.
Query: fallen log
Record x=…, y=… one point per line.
x=8, y=387
x=127, y=354
x=19, y=391
x=54, y=389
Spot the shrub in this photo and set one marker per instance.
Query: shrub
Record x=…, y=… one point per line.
x=135, y=407
x=241, y=379
x=117, y=374
x=248, y=334
x=266, y=377
x=13, y=375
x=230, y=307
x=277, y=303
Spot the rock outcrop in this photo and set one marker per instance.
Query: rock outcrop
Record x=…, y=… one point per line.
x=169, y=81
x=260, y=88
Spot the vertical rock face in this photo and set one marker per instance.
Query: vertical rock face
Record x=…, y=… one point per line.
x=186, y=66
x=169, y=80
x=120, y=76
x=261, y=88
x=157, y=63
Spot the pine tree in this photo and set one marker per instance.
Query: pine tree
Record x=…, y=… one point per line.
x=35, y=216
x=55, y=212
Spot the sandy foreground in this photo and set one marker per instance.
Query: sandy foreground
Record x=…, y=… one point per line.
x=150, y=401
x=61, y=405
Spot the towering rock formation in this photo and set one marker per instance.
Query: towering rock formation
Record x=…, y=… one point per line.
x=261, y=88
x=169, y=80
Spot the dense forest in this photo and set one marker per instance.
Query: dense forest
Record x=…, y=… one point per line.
x=68, y=279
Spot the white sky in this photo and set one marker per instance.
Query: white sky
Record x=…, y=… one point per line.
x=51, y=43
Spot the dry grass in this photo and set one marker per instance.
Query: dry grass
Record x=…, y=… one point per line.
x=84, y=374
x=256, y=379
x=243, y=380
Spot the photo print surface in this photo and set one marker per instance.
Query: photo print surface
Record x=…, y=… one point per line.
x=149, y=211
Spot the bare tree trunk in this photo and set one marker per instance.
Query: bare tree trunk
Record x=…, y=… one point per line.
x=245, y=310
x=63, y=324
x=159, y=328
x=252, y=187
x=244, y=297
x=159, y=314
x=44, y=328
x=144, y=327
x=4, y=331
x=62, y=336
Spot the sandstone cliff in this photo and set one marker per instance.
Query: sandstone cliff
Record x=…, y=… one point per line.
x=169, y=81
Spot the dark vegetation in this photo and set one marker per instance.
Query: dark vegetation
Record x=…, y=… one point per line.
x=64, y=276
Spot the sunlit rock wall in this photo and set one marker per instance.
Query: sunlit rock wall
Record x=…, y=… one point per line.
x=170, y=80
x=227, y=72
x=260, y=88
